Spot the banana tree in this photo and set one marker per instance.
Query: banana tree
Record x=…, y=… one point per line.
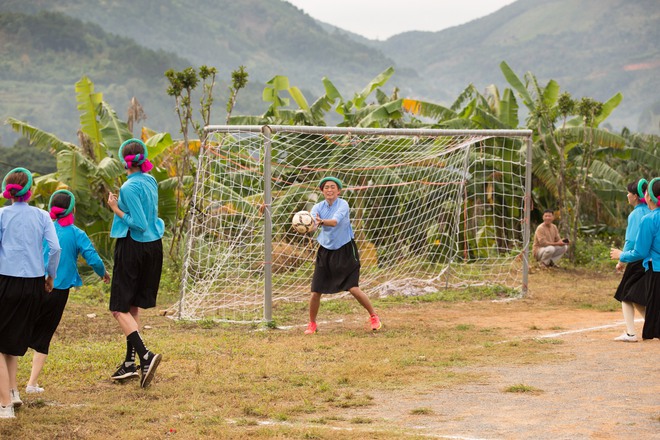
x=568, y=139
x=90, y=169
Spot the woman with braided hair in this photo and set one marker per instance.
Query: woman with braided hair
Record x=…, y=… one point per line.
x=138, y=257
x=74, y=242
x=647, y=249
x=23, y=230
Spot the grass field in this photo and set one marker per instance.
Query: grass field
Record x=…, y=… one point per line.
x=449, y=365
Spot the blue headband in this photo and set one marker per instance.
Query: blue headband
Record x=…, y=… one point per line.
x=72, y=203
x=26, y=188
x=640, y=184
x=131, y=141
x=330, y=179
x=654, y=198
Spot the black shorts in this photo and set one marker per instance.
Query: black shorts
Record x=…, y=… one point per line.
x=336, y=270
x=136, y=274
x=20, y=301
x=49, y=317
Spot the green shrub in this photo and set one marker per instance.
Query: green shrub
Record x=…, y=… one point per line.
x=594, y=252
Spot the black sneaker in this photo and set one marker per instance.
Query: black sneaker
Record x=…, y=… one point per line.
x=149, y=369
x=125, y=372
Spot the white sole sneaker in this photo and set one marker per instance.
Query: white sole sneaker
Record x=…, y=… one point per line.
x=625, y=337
x=34, y=389
x=16, y=399
x=7, y=412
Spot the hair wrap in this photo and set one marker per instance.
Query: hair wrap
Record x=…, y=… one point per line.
x=330, y=179
x=64, y=216
x=654, y=197
x=21, y=193
x=133, y=160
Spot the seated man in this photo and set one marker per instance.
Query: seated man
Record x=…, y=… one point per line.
x=548, y=246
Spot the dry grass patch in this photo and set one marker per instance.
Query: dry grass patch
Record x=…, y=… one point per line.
x=522, y=388
x=231, y=381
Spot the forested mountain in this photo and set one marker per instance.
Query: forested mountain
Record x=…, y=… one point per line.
x=43, y=56
x=591, y=47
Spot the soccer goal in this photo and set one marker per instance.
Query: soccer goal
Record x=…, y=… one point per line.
x=431, y=210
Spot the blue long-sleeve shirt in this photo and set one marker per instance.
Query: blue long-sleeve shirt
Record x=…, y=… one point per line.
x=634, y=220
x=647, y=242
x=23, y=230
x=74, y=241
x=334, y=237
x=138, y=199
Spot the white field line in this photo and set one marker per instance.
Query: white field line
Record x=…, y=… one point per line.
x=583, y=330
x=289, y=327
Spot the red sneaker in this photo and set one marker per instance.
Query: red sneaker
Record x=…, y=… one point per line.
x=311, y=328
x=375, y=322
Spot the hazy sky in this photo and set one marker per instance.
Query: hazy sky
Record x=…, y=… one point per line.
x=380, y=19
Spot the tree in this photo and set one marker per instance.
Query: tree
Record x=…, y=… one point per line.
x=90, y=169
x=182, y=86
x=575, y=147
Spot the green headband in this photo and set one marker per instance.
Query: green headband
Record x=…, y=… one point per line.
x=72, y=203
x=640, y=184
x=330, y=179
x=654, y=198
x=26, y=188
x=130, y=141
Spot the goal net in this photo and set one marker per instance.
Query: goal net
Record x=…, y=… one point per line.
x=430, y=209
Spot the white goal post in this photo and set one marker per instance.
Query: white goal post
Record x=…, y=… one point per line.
x=430, y=209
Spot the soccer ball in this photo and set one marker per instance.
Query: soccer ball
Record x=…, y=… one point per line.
x=302, y=222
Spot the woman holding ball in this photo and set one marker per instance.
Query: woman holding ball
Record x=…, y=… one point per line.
x=337, y=266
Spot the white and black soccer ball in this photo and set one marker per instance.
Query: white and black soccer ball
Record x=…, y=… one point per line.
x=302, y=222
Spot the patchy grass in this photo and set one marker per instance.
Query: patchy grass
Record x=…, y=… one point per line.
x=421, y=412
x=522, y=388
x=222, y=380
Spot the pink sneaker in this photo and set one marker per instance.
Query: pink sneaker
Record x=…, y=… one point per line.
x=311, y=328
x=375, y=322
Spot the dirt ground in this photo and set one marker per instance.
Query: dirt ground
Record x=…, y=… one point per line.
x=595, y=388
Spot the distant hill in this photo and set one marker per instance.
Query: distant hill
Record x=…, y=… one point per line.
x=591, y=47
x=44, y=55
x=268, y=37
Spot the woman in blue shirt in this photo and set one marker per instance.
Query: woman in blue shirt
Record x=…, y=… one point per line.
x=647, y=249
x=74, y=242
x=630, y=291
x=138, y=257
x=337, y=266
x=23, y=229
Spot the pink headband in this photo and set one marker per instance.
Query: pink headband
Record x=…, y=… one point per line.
x=66, y=220
x=8, y=195
x=139, y=159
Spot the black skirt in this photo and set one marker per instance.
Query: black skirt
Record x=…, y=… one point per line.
x=652, y=317
x=336, y=270
x=20, y=301
x=49, y=317
x=136, y=274
x=627, y=289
